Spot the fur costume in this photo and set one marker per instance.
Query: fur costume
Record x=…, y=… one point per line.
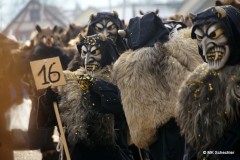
x=234, y=3
x=209, y=98
x=82, y=123
x=149, y=79
x=199, y=119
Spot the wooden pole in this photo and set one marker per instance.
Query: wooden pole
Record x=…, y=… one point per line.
x=61, y=131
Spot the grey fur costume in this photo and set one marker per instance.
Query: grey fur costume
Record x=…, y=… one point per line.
x=149, y=79
x=208, y=102
x=82, y=123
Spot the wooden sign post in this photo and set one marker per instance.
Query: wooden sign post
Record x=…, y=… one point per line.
x=48, y=72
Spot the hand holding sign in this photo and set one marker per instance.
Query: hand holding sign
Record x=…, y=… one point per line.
x=48, y=72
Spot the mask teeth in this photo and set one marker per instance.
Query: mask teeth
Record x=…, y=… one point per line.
x=216, y=56
x=94, y=66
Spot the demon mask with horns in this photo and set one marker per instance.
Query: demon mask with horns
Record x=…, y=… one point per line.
x=217, y=30
x=97, y=51
x=108, y=24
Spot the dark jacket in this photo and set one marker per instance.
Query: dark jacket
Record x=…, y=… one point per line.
x=169, y=145
x=227, y=148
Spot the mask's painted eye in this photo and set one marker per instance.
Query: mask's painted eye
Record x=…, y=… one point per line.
x=199, y=37
x=98, y=29
x=96, y=52
x=83, y=53
x=111, y=27
x=215, y=34
x=168, y=27
x=178, y=26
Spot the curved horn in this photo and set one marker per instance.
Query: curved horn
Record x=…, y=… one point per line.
x=191, y=16
x=122, y=33
x=80, y=37
x=102, y=36
x=141, y=13
x=221, y=12
x=91, y=16
x=115, y=13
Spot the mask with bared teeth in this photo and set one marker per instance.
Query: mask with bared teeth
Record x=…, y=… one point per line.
x=96, y=51
x=217, y=32
x=214, y=44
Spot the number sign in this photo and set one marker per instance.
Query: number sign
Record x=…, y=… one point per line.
x=46, y=72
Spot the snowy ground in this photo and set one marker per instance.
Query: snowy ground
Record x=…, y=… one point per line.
x=27, y=155
x=18, y=119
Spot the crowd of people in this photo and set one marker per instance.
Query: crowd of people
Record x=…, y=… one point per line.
x=153, y=89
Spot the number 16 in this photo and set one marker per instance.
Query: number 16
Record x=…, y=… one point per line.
x=43, y=69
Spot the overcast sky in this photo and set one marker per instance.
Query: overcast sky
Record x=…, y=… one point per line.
x=10, y=8
x=105, y=3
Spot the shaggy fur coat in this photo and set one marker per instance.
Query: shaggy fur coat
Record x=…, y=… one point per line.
x=149, y=79
x=81, y=121
x=208, y=103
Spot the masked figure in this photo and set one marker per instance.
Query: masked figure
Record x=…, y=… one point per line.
x=108, y=24
x=149, y=77
x=90, y=104
x=44, y=45
x=208, y=102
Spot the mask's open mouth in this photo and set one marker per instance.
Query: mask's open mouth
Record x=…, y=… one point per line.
x=112, y=37
x=49, y=44
x=92, y=67
x=215, y=53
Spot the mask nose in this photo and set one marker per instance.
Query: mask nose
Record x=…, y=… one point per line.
x=204, y=45
x=88, y=58
x=49, y=40
x=106, y=33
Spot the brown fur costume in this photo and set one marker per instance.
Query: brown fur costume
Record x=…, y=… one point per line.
x=71, y=32
x=149, y=79
x=82, y=123
x=207, y=104
x=234, y=3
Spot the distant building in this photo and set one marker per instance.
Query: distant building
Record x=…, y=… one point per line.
x=34, y=13
x=82, y=17
x=130, y=10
